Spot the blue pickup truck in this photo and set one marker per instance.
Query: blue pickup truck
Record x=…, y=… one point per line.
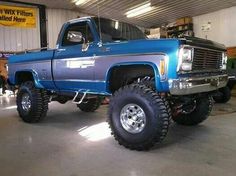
x=149, y=82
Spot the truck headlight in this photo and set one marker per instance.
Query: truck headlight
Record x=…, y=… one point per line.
x=185, y=59
x=224, y=61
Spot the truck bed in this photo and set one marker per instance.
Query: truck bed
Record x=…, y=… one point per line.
x=32, y=56
x=37, y=63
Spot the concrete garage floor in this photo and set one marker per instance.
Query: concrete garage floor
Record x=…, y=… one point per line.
x=72, y=143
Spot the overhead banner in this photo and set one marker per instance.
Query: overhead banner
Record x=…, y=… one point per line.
x=13, y=16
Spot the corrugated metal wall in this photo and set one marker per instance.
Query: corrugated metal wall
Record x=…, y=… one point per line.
x=223, y=26
x=56, y=18
x=18, y=39
x=222, y=30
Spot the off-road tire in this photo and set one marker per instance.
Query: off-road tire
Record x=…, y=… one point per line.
x=157, y=117
x=223, y=96
x=39, y=103
x=198, y=115
x=150, y=82
x=90, y=105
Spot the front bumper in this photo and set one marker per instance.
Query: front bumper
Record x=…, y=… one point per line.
x=187, y=86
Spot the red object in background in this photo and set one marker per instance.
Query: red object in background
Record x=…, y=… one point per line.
x=231, y=52
x=105, y=101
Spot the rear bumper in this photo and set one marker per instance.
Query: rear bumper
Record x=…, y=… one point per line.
x=187, y=86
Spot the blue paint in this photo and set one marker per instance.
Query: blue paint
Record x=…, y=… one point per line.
x=48, y=84
x=89, y=86
x=156, y=72
x=37, y=83
x=34, y=56
x=168, y=47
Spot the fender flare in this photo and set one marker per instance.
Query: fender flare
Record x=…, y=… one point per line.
x=33, y=73
x=154, y=67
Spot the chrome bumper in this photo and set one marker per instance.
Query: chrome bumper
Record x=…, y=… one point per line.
x=186, y=86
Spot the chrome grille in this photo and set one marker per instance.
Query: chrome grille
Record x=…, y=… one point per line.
x=206, y=59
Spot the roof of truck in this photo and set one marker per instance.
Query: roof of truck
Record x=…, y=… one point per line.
x=81, y=18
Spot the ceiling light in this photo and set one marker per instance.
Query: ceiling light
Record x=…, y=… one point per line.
x=139, y=10
x=80, y=2
x=116, y=24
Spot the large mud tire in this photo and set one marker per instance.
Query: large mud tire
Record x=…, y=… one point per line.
x=201, y=112
x=223, y=96
x=152, y=107
x=32, y=103
x=90, y=105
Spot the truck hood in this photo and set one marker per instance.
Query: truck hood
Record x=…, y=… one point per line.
x=199, y=42
x=166, y=46
x=143, y=46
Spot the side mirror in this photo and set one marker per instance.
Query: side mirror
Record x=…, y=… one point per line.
x=85, y=47
x=75, y=36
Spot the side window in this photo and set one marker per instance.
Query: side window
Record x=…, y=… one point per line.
x=82, y=27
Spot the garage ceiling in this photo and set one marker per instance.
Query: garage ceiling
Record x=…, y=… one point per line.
x=163, y=11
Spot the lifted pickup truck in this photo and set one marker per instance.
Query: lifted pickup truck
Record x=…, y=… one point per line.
x=150, y=81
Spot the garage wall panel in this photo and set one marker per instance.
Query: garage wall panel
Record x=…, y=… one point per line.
x=222, y=29
x=1, y=39
x=56, y=18
x=18, y=39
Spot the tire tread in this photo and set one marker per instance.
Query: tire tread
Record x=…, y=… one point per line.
x=156, y=102
x=39, y=106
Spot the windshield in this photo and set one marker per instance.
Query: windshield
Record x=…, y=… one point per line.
x=112, y=30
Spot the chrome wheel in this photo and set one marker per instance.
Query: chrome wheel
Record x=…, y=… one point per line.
x=133, y=118
x=26, y=102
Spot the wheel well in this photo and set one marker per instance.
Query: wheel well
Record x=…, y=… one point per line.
x=23, y=77
x=124, y=75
